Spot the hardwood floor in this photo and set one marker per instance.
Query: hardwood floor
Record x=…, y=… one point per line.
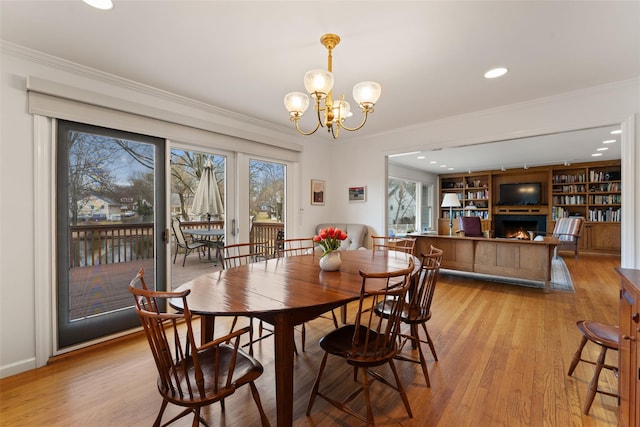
x=504, y=353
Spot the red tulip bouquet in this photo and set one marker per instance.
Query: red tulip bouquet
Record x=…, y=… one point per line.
x=329, y=239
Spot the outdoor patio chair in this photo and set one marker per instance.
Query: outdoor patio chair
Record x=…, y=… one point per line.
x=181, y=242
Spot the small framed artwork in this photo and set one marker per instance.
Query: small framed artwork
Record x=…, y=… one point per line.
x=357, y=194
x=318, y=189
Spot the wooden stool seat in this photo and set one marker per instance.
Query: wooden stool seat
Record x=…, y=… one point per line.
x=606, y=336
x=599, y=333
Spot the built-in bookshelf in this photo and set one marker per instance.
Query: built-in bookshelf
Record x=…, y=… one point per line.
x=592, y=192
x=473, y=191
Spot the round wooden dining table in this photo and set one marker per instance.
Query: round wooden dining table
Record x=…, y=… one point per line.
x=285, y=292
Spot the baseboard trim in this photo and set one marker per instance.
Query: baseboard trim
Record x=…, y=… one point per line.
x=17, y=367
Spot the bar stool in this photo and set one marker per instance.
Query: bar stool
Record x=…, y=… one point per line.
x=606, y=336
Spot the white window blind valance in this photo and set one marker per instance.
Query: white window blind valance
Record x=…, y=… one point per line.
x=58, y=101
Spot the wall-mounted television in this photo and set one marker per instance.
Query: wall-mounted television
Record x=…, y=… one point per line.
x=515, y=194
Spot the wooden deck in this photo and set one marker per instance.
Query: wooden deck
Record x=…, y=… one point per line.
x=101, y=288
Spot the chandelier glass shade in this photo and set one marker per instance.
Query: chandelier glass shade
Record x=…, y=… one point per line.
x=331, y=113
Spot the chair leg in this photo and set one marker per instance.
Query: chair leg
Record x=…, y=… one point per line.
x=423, y=363
x=430, y=342
x=400, y=388
x=251, y=336
x=316, y=384
x=367, y=398
x=416, y=344
x=335, y=319
x=186, y=252
x=256, y=398
x=303, y=336
x=577, y=356
x=156, y=423
x=593, y=385
x=196, y=418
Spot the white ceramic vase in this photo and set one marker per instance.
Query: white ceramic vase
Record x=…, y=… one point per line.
x=331, y=261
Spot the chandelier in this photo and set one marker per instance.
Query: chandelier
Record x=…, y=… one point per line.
x=331, y=113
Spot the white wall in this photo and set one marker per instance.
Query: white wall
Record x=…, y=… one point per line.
x=599, y=106
x=352, y=162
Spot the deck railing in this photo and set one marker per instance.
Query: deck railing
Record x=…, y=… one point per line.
x=265, y=232
x=96, y=244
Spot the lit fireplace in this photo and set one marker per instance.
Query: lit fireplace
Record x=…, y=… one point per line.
x=518, y=226
x=520, y=235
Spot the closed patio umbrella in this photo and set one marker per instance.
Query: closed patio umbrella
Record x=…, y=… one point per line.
x=207, y=200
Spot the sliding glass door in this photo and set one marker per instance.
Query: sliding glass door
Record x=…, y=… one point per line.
x=202, y=198
x=110, y=223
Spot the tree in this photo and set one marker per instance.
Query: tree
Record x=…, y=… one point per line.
x=266, y=187
x=402, y=201
x=186, y=170
x=89, y=173
x=97, y=167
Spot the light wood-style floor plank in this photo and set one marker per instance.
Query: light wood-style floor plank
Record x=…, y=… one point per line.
x=503, y=350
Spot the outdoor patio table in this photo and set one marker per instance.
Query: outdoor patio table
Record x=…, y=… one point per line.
x=209, y=235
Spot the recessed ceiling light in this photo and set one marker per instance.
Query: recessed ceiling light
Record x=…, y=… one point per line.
x=450, y=169
x=496, y=72
x=616, y=132
x=100, y=4
x=602, y=149
x=443, y=166
x=404, y=154
x=596, y=155
x=433, y=162
x=609, y=141
x=420, y=157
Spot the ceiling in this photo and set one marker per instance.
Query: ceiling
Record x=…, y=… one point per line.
x=561, y=148
x=429, y=56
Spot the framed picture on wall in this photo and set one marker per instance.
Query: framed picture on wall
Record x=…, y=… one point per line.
x=357, y=194
x=318, y=189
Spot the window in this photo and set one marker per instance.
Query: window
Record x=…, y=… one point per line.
x=403, y=201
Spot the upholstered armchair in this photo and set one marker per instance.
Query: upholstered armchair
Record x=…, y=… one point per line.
x=471, y=226
x=568, y=231
x=357, y=234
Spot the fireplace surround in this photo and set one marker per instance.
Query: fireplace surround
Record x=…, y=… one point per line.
x=517, y=226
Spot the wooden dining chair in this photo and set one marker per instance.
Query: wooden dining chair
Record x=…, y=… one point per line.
x=192, y=376
x=236, y=255
x=295, y=247
x=418, y=310
x=181, y=242
x=400, y=244
x=370, y=342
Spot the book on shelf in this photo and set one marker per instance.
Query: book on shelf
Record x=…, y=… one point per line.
x=604, y=215
x=568, y=178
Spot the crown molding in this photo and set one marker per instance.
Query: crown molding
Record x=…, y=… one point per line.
x=221, y=120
